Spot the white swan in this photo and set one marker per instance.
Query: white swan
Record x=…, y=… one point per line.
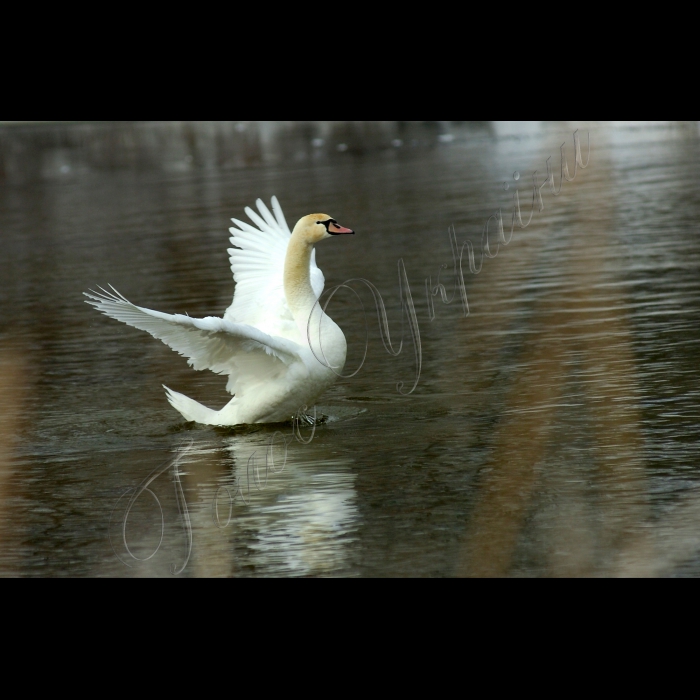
x=278, y=357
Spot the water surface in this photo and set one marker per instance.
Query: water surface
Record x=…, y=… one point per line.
x=554, y=432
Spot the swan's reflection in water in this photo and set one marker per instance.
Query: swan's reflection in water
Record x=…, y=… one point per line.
x=274, y=519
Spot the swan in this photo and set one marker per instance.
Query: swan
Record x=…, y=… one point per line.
x=275, y=343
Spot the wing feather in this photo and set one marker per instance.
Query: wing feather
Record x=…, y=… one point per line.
x=209, y=343
x=267, y=215
x=279, y=215
x=264, y=226
x=245, y=228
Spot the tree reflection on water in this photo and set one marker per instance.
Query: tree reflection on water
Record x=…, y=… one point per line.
x=28, y=153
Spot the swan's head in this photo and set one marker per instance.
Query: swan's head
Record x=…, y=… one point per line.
x=317, y=227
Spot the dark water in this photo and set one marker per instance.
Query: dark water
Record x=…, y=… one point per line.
x=554, y=432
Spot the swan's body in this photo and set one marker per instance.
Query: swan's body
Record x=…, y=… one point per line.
x=279, y=349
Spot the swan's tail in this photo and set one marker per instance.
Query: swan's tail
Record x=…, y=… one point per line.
x=190, y=409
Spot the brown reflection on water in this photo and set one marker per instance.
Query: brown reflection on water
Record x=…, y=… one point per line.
x=213, y=556
x=578, y=333
x=13, y=391
x=587, y=520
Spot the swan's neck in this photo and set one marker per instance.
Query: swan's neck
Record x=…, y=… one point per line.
x=301, y=297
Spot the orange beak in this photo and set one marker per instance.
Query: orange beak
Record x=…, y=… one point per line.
x=337, y=230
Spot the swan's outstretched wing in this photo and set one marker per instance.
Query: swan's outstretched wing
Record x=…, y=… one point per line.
x=247, y=354
x=257, y=263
